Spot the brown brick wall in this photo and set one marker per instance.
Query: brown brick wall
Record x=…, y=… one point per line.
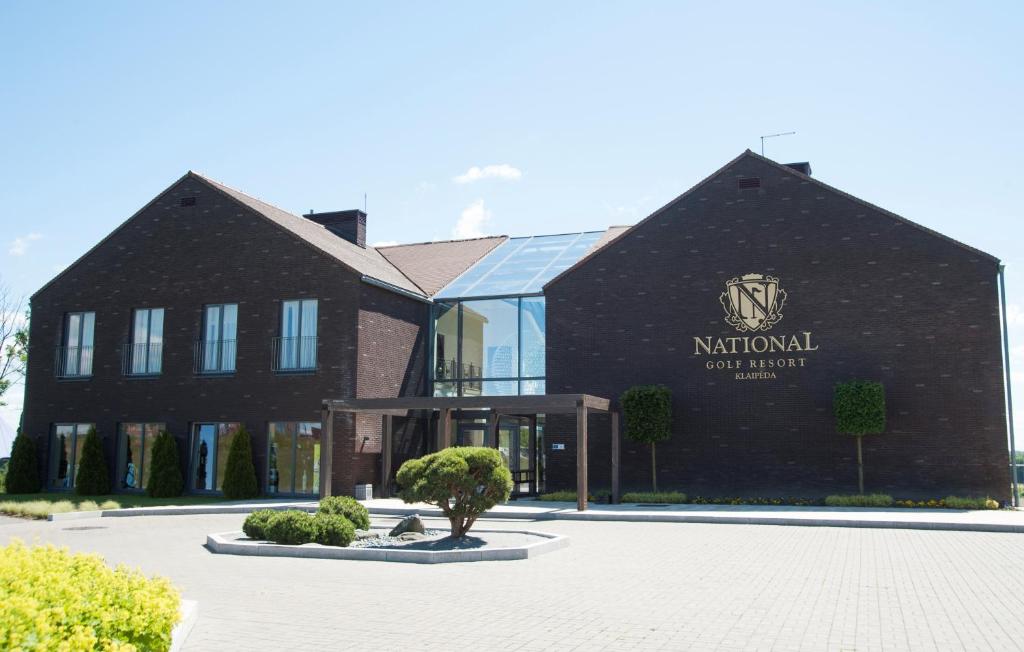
x=884, y=300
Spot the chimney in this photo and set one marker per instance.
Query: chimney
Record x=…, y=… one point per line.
x=802, y=168
x=350, y=224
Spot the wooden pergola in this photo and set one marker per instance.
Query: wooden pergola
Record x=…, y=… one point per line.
x=496, y=406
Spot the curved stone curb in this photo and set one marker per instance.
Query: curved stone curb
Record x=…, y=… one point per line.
x=225, y=543
x=189, y=614
x=639, y=517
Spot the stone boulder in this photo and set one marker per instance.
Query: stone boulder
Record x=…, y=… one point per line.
x=411, y=523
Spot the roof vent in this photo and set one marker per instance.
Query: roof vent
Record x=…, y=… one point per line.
x=749, y=182
x=188, y=201
x=802, y=168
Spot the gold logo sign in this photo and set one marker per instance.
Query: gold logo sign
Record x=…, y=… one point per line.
x=753, y=302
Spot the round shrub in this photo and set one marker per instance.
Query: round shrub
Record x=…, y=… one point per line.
x=291, y=527
x=348, y=507
x=333, y=530
x=23, y=469
x=165, y=479
x=255, y=526
x=55, y=600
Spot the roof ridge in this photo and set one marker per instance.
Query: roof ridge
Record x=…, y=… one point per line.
x=426, y=242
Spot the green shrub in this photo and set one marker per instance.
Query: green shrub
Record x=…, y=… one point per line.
x=333, y=529
x=292, y=527
x=255, y=526
x=860, y=500
x=673, y=497
x=3, y=476
x=23, y=469
x=165, y=480
x=348, y=507
x=464, y=482
x=559, y=496
x=961, y=502
x=240, y=473
x=859, y=408
x=93, y=478
x=55, y=600
x=647, y=417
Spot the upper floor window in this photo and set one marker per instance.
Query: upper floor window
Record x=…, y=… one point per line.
x=215, y=353
x=295, y=349
x=144, y=353
x=74, y=357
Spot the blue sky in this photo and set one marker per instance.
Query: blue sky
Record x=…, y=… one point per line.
x=590, y=114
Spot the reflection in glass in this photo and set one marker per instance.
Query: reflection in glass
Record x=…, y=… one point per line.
x=225, y=435
x=294, y=458
x=446, y=339
x=490, y=338
x=132, y=454
x=298, y=334
x=532, y=336
x=203, y=455
x=66, y=452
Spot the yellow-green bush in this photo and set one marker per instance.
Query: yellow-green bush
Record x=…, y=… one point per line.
x=860, y=500
x=673, y=497
x=43, y=508
x=52, y=599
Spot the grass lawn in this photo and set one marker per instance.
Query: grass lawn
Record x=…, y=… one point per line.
x=43, y=504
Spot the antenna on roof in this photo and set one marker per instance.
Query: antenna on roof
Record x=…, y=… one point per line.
x=787, y=133
x=364, y=202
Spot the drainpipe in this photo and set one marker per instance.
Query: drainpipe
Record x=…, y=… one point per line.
x=1009, y=390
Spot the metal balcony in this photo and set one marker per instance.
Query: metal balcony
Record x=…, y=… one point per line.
x=294, y=354
x=214, y=357
x=73, y=361
x=142, y=359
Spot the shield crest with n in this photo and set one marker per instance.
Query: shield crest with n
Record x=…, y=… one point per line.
x=753, y=299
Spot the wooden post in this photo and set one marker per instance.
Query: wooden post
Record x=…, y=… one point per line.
x=385, y=456
x=581, y=456
x=492, y=428
x=444, y=426
x=616, y=495
x=326, y=449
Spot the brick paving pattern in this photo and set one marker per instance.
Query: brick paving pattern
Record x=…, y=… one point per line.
x=646, y=586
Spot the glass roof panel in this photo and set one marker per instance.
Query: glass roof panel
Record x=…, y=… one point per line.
x=521, y=265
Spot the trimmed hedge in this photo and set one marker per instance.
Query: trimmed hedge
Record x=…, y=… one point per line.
x=292, y=527
x=255, y=526
x=23, y=469
x=93, y=478
x=348, y=507
x=240, y=473
x=165, y=480
x=673, y=497
x=55, y=600
x=860, y=500
x=961, y=502
x=333, y=530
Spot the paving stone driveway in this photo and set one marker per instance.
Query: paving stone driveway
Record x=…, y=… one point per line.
x=618, y=586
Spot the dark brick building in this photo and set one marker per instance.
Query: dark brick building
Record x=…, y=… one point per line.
x=749, y=296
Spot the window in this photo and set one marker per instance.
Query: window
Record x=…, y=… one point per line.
x=296, y=348
x=145, y=352
x=74, y=358
x=293, y=458
x=210, y=445
x=66, y=452
x=216, y=351
x=135, y=446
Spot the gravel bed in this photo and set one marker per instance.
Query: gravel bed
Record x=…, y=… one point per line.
x=382, y=540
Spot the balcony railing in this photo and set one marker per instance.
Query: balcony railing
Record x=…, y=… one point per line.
x=294, y=354
x=142, y=359
x=73, y=361
x=446, y=370
x=214, y=357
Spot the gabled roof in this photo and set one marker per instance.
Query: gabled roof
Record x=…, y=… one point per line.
x=432, y=265
x=784, y=168
x=366, y=261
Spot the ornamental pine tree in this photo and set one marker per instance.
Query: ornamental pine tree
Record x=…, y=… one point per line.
x=647, y=416
x=240, y=473
x=165, y=479
x=23, y=469
x=92, y=479
x=859, y=407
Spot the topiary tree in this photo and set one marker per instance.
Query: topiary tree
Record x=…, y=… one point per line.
x=240, y=473
x=23, y=469
x=859, y=407
x=165, y=479
x=647, y=417
x=92, y=478
x=464, y=482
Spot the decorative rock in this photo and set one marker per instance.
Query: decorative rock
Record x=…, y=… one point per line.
x=366, y=534
x=412, y=536
x=411, y=523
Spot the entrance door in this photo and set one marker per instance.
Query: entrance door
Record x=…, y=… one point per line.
x=517, y=445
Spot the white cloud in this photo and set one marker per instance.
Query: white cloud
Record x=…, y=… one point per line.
x=1014, y=315
x=472, y=221
x=385, y=243
x=20, y=245
x=502, y=171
